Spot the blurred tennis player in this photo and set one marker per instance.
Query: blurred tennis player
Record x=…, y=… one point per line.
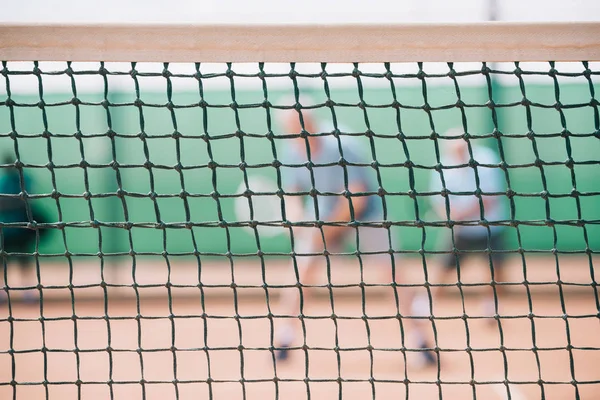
x=467, y=207
x=16, y=240
x=329, y=205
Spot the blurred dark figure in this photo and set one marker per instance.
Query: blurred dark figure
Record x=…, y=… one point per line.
x=13, y=209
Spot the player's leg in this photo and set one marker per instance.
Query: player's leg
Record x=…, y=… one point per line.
x=497, y=272
x=377, y=240
x=449, y=262
x=4, y=270
x=308, y=240
x=27, y=276
x=421, y=304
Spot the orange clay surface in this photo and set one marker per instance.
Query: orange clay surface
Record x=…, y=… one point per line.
x=190, y=349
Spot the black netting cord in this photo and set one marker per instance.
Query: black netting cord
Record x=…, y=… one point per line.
x=404, y=136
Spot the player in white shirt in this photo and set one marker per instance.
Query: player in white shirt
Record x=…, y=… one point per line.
x=466, y=206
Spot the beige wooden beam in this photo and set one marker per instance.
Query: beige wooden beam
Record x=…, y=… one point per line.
x=498, y=41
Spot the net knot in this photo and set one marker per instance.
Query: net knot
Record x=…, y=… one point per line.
x=570, y=163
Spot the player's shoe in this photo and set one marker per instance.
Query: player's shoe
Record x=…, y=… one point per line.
x=489, y=310
x=283, y=352
x=427, y=356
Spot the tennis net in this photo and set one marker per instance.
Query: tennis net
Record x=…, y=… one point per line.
x=164, y=202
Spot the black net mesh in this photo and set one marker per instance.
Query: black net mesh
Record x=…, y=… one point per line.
x=154, y=216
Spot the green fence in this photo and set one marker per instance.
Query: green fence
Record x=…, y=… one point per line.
x=126, y=120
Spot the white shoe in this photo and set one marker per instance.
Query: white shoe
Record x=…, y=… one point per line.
x=420, y=306
x=488, y=308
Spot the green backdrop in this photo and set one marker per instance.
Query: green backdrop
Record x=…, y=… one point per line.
x=158, y=121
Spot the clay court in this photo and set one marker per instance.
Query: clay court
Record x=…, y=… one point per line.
x=196, y=350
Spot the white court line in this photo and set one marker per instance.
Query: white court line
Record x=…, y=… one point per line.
x=515, y=394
